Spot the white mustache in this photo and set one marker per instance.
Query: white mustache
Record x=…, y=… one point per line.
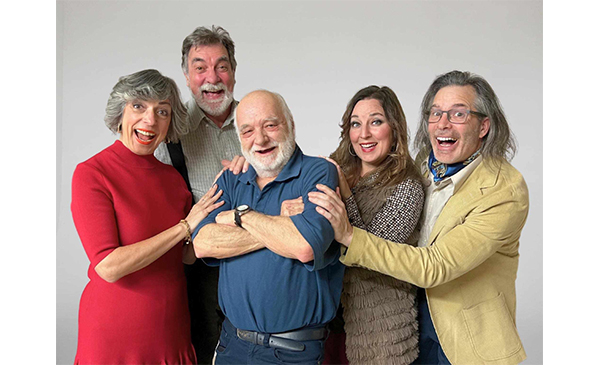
x=212, y=88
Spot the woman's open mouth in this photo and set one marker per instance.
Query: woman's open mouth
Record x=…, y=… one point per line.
x=143, y=136
x=368, y=147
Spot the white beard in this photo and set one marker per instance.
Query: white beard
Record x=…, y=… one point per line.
x=270, y=169
x=214, y=107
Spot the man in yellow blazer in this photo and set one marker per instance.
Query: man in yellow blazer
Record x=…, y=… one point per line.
x=468, y=252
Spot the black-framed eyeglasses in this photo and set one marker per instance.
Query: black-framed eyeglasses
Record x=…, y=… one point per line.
x=455, y=115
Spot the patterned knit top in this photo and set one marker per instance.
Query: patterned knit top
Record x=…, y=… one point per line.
x=380, y=312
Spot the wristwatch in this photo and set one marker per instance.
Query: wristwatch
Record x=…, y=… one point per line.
x=239, y=212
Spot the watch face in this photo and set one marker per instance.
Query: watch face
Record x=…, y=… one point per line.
x=242, y=208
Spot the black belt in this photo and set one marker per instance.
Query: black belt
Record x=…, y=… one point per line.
x=285, y=340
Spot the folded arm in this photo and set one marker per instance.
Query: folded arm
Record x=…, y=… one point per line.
x=278, y=233
x=222, y=241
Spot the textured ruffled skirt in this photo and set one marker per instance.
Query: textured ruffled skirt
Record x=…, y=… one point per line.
x=380, y=316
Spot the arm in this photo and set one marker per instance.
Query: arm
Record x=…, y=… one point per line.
x=272, y=229
x=125, y=260
x=291, y=237
x=485, y=230
x=222, y=241
x=94, y=217
x=269, y=229
x=225, y=239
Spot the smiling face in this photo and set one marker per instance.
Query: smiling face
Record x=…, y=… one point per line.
x=211, y=78
x=266, y=139
x=370, y=134
x=454, y=143
x=144, y=125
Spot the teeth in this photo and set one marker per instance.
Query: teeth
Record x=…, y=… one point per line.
x=368, y=145
x=445, y=139
x=149, y=134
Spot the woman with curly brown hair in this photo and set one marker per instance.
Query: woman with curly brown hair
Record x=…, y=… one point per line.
x=383, y=194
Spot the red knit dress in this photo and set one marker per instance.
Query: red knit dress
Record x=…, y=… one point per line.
x=120, y=198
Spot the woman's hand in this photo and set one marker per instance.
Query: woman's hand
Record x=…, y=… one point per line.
x=330, y=205
x=204, y=206
x=342, y=183
x=292, y=207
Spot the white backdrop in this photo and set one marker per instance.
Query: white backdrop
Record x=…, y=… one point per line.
x=317, y=55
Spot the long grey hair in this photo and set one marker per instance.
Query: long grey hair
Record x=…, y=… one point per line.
x=499, y=141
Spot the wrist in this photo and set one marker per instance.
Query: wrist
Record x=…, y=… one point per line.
x=348, y=237
x=186, y=231
x=239, y=212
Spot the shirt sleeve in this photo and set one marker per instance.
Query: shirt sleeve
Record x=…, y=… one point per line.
x=93, y=213
x=315, y=228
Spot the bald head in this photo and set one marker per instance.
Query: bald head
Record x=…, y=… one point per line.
x=259, y=103
x=266, y=131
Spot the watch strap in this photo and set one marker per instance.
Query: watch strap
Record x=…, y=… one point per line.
x=237, y=218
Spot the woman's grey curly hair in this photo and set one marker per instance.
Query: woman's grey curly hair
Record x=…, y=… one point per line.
x=147, y=85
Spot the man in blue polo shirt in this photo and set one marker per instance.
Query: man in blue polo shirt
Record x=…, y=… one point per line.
x=280, y=278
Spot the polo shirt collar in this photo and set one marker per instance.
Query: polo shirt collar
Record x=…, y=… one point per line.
x=291, y=169
x=197, y=115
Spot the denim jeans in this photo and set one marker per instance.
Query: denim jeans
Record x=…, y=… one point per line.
x=430, y=350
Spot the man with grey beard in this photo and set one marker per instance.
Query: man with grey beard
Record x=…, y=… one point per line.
x=280, y=278
x=208, y=64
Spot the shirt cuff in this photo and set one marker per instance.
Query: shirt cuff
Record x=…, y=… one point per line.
x=350, y=256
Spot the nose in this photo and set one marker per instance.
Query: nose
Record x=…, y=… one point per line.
x=149, y=116
x=212, y=76
x=261, y=138
x=365, y=131
x=444, y=123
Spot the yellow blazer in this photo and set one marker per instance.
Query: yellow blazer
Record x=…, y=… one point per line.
x=468, y=268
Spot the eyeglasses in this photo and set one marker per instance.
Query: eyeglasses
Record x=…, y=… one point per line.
x=455, y=115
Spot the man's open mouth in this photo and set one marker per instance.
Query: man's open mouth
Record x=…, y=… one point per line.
x=265, y=151
x=446, y=141
x=213, y=94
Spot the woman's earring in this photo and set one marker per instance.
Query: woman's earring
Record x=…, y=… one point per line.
x=352, y=153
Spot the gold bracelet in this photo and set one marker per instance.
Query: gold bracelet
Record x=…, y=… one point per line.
x=188, y=234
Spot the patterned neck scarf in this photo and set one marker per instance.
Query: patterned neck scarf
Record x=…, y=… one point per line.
x=441, y=170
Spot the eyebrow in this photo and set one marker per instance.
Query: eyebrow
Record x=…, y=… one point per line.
x=455, y=105
x=267, y=119
x=220, y=59
x=370, y=115
x=164, y=102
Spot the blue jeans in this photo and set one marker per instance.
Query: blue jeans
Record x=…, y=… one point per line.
x=233, y=350
x=430, y=350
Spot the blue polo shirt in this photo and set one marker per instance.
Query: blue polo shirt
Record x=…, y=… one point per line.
x=263, y=291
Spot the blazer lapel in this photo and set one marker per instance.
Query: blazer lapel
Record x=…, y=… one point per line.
x=462, y=201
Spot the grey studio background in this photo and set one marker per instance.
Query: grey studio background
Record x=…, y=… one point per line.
x=317, y=55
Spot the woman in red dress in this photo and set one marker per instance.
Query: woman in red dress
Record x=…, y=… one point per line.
x=133, y=215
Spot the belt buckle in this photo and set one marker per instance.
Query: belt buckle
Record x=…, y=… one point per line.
x=246, y=335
